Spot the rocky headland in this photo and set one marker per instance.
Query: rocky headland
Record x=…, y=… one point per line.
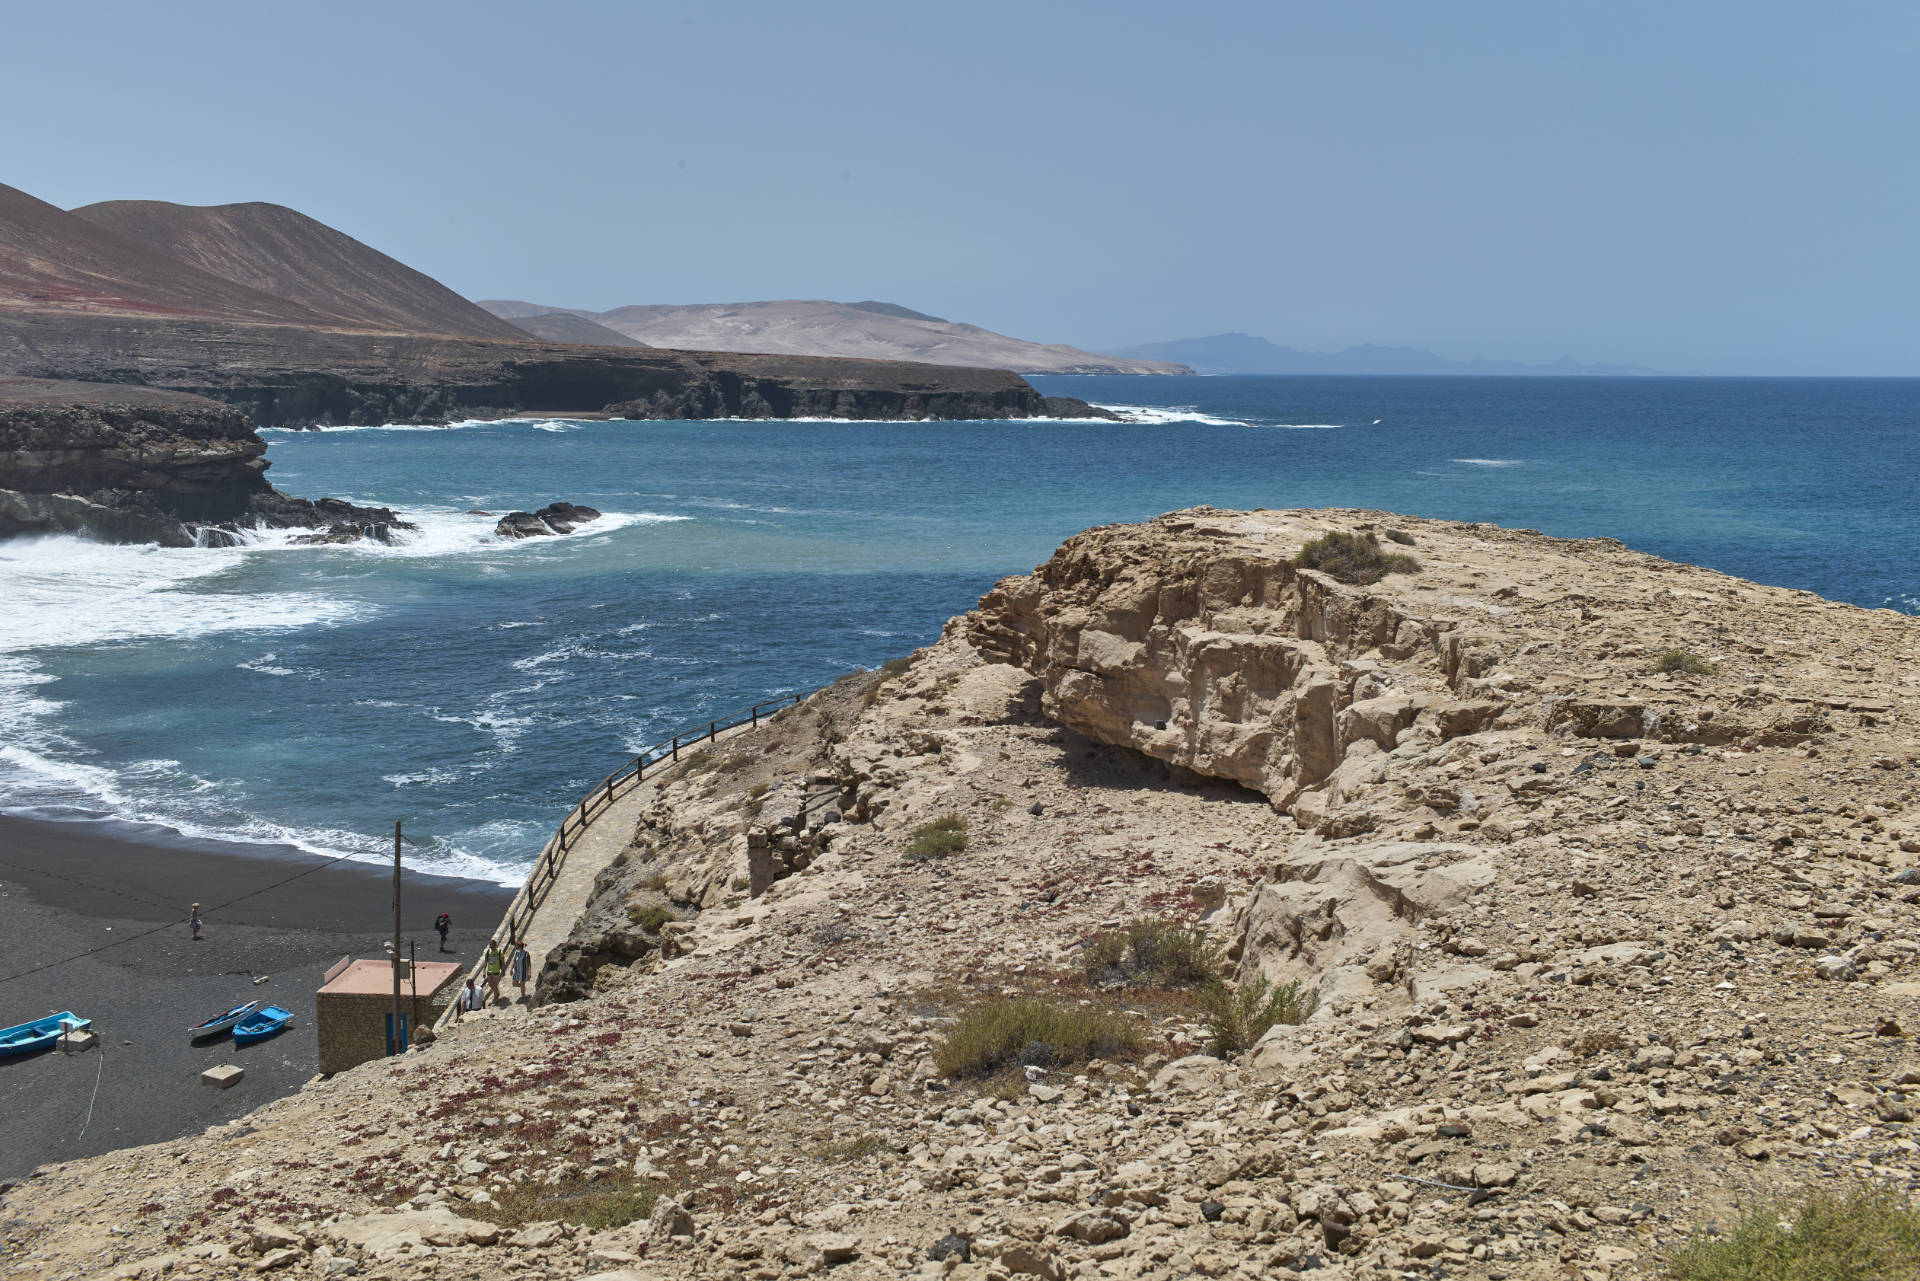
x=298, y=325
x=1597, y=873
x=141, y=465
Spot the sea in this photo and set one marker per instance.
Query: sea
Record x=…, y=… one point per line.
x=284, y=697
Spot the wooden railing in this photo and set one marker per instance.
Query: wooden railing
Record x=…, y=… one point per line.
x=553, y=855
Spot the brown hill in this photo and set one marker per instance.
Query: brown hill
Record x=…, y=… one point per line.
x=564, y=326
x=861, y=330
x=52, y=260
x=294, y=258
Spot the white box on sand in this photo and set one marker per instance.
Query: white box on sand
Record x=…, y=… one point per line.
x=223, y=1077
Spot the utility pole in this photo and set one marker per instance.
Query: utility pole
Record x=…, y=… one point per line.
x=396, y=1040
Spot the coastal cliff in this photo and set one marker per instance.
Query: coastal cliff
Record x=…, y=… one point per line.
x=131, y=464
x=288, y=376
x=1593, y=876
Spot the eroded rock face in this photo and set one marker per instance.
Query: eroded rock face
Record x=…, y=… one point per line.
x=1193, y=639
x=132, y=464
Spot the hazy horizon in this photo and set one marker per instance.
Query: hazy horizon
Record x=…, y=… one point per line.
x=1710, y=189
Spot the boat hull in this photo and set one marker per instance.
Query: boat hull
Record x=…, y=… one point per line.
x=261, y=1024
x=25, y=1038
x=214, y=1026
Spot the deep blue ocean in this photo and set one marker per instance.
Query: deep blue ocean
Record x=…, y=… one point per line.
x=311, y=696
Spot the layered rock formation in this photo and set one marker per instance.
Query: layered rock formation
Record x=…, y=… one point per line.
x=132, y=464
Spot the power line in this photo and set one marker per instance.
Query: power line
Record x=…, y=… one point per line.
x=167, y=925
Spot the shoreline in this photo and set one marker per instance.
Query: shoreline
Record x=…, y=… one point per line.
x=67, y=888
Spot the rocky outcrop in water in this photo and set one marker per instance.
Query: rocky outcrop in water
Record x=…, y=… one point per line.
x=554, y=518
x=131, y=464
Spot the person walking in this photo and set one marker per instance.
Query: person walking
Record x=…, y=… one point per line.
x=521, y=967
x=496, y=966
x=442, y=923
x=193, y=922
x=471, y=999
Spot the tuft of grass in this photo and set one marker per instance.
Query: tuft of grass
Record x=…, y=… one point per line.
x=758, y=790
x=1400, y=536
x=650, y=916
x=1860, y=1233
x=1353, y=558
x=1027, y=1031
x=1150, y=953
x=943, y=836
x=656, y=881
x=853, y=1149
x=611, y=1202
x=1239, y=1016
x=894, y=666
x=1680, y=660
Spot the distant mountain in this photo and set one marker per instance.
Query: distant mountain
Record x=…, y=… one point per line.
x=869, y=330
x=565, y=326
x=52, y=260
x=299, y=261
x=297, y=324
x=1246, y=354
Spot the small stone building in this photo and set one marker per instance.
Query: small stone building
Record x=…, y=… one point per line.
x=355, y=1004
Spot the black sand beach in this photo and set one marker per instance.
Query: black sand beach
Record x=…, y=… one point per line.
x=69, y=890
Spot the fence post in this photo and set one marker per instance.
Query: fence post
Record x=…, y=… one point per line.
x=609, y=789
x=713, y=729
x=676, y=747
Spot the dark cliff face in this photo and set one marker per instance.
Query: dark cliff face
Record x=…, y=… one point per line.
x=132, y=464
x=286, y=376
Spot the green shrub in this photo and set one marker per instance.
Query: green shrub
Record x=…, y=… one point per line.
x=1239, y=1016
x=1860, y=1233
x=1680, y=660
x=1400, y=536
x=1033, y=1032
x=894, y=666
x=1150, y=953
x=1353, y=558
x=650, y=916
x=943, y=836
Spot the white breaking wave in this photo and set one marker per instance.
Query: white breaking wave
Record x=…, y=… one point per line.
x=1169, y=414
x=445, y=532
x=67, y=591
x=1490, y=462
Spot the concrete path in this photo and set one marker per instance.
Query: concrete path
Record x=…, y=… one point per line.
x=562, y=902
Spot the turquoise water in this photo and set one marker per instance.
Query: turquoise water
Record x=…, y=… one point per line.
x=311, y=696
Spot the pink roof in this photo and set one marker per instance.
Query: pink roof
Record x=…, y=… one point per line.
x=375, y=978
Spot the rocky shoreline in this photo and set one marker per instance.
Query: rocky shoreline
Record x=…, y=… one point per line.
x=1600, y=871
x=287, y=376
x=139, y=465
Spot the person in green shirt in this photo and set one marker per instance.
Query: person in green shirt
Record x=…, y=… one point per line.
x=496, y=966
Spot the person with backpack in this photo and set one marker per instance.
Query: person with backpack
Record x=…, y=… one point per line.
x=443, y=923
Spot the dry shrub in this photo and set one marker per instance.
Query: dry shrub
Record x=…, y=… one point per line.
x=943, y=836
x=1150, y=953
x=1353, y=558
x=1859, y=1233
x=1680, y=660
x=1239, y=1016
x=1031, y=1031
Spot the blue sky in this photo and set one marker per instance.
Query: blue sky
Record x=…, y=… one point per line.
x=1704, y=187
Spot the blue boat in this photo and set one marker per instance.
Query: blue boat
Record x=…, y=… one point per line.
x=267, y=1021
x=40, y=1034
x=221, y=1022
